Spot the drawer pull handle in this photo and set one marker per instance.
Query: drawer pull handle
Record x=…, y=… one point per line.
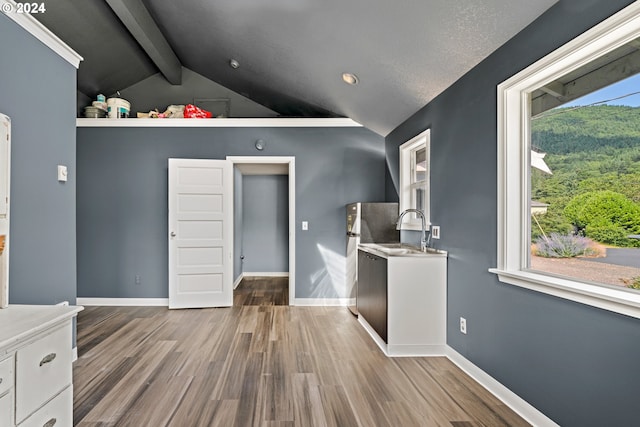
x=50, y=423
x=48, y=358
x=1, y=380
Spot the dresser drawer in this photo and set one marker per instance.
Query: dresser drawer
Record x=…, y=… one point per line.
x=43, y=369
x=57, y=413
x=6, y=409
x=6, y=375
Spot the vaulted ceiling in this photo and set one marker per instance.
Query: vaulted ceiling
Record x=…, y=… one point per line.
x=292, y=53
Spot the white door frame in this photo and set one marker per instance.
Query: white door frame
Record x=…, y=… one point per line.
x=291, y=161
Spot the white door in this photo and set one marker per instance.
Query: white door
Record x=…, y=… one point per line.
x=200, y=227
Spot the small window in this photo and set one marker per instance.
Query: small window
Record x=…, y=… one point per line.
x=414, y=179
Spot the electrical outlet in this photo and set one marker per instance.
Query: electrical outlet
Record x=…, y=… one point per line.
x=138, y=279
x=305, y=225
x=463, y=325
x=435, y=231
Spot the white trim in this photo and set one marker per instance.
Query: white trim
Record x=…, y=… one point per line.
x=138, y=302
x=373, y=334
x=252, y=274
x=291, y=161
x=405, y=164
x=5, y=223
x=408, y=350
x=74, y=354
x=266, y=274
x=617, y=300
x=42, y=33
x=322, y=302
x=403, y=350
x=234, y=123
x=514, y=160
x=238, y=280
x=509, y=398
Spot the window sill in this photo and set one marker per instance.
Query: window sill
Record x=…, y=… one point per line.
x=615, y=300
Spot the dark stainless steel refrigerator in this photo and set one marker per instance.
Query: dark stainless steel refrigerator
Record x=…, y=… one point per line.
x=367, y=223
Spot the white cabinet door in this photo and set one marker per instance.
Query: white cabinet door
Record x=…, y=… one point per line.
x=56, y=413
x=43, y=369
x=6, y=409
x=200, y=239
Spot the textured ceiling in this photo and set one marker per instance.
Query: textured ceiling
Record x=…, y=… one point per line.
x=292, y=53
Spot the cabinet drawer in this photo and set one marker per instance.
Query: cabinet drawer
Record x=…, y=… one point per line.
x=6, y=406
x=6, y=374
x=57, y=413
x=43, y=369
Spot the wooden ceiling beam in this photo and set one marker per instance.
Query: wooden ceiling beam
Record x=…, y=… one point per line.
x=135, y=16
x=555, y=89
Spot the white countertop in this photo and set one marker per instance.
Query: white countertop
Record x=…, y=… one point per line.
x=20, y=321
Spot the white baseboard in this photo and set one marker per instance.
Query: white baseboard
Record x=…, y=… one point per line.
x=238, y=280
x=509, y=398
x=254, y=274
x=265, y=274
x=374, y=335
x=322, y=302
x=142, y=302
x=403, y=350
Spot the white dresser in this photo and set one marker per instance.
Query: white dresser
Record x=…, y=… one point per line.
x=36, y=366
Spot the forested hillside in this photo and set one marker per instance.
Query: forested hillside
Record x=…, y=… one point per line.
x=574, y=130
x=588, y=149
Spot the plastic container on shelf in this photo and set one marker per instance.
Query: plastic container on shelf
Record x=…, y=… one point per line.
x=92, y=112
x=118, y=108
x=100, y=104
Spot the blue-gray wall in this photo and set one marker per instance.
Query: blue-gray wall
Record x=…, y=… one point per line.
x=122, y=199
x=576, y=364
x=38, y=92
x=265, y=231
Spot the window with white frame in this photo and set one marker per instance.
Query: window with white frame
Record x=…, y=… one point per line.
x=584, y=65
x=414, y=179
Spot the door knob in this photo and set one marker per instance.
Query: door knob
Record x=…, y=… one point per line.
x=173, y=234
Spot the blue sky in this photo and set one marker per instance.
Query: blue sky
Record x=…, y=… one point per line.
x=623, y=87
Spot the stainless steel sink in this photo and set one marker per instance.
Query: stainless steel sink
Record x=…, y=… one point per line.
x=435, y=251
x=401, y=249
x=397, y=251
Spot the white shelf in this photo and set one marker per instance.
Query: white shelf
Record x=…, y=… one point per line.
x=232, y=123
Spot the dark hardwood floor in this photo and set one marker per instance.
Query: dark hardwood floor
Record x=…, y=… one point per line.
x=262, y=291
x=261, y=365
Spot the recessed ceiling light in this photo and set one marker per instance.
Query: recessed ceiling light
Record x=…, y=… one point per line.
x=350, y=79
x=234, y=64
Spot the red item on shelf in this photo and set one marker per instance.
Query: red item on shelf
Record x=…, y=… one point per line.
x=191, y=111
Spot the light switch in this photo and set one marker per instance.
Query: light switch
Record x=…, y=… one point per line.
x=305, y=225
x=62, y=173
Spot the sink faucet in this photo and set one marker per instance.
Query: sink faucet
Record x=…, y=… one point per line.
x=423, y=240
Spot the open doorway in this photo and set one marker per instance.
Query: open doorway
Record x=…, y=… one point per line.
x=264, y=225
